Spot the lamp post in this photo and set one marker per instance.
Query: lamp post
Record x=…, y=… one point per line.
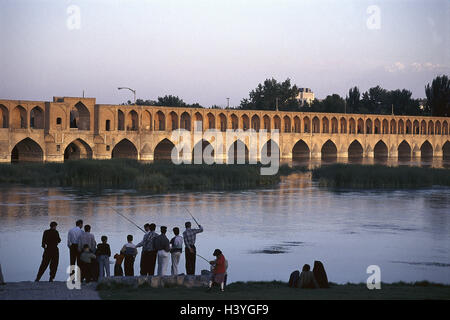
x=132, y=90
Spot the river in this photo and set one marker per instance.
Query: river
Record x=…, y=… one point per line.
x=265, y=234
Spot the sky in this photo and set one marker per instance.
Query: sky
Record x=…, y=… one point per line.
x=208, y=50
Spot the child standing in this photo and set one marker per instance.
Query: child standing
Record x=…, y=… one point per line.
x=118, y=271
x=87, y=265
x=129, y=251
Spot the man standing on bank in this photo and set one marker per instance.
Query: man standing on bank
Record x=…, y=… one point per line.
x=189, y=236
x=162, y=244
x=72, y=242
x=50, y=241
x=145, y=254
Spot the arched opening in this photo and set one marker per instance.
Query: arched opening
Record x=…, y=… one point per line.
x=277, y=123
x=146, y=121
x=37, y=118
x=199, y=122
x=234, y=122
x=300, y=151
x=408, y=127
x=4, y=117
x=173, y=118
x=423, y=127
x=19, y=118
x=160, y=121
x=368, y=126
x=355, y=151
x=343, y=125
x=287, y=124
x=223, y=122
x=393, y=127
x=266, y=121
x=426, y=150
x=416, y=129
x=255, y=123
x=325, y=125
x=163, y=150
x=329, y=151
x=132, y=121
x=108, y=125
x=125, y=149
x=377, y=127
x=211, y=121
x=380, y=151
x=267, y=151
x=401, y=127
x=203, y=152
x=404, y=151
x=238, y=153
x=306, y=125
x=80, y=117
x=446, y=150
x=445, y=128
x=352, y=126
x=120, y=120
x=385, y=127
x=76, y=150
x=438, y=127
x=430, y=127
x=334, y=125
x=360, y=126
x=27, y=150
x=297, y=125
x=185, y=121
x=245, y=122
x=315, y=125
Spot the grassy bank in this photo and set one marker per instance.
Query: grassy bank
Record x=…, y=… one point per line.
x=130, y=174
x=280, y=291
x=379, y=176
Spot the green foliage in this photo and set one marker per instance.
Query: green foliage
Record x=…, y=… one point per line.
x=167, y=101
x=438, y=96
x=158, y=177
x=379, y=176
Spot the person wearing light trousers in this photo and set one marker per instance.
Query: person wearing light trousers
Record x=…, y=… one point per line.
x=176, y=248
x=163, y=246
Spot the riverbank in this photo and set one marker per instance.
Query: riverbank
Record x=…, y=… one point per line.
x=378, y=176
x=280, y=291
x=158, y=177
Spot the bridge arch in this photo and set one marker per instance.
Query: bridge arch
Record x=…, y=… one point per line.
x=27, y=150
x=369, y=126
x=266, y=122
x=146, y=120
x=245, y=122
x=203, y=152
x=266, y=150
x=404, y=151
x=352, y=126
x=256, y=123
x=416, y=127
x=185, y=121
x=160, y=124
x=287, y=124
x=306, y=125
x=77, y=149
x=301, y=151
x=325, y=125
x=343, y=123
x=173, y=120
x=334, y=125
x=198, y=122
x=163, y=150
x=223, y=122
x=80, y=117
x=445, y=127
x=234, y=122
x=401, y=127
x=132, y=121
x=329, y=151
x=238, y=153
x=125, y=149
x=446, y=150
x=355, y=151
x=297, y=125
x=385, y=127
x=380, y=151
x=120, y=120
x=408, y=127
x=211, y=121
x=277, y=123
x=315, y=125
x=426, y=150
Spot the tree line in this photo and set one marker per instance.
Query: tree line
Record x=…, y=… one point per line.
x=272, y=94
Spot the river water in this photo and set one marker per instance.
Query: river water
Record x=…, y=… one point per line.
x=264, y=234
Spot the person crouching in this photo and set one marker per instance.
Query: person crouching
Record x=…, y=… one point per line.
x=219, y=270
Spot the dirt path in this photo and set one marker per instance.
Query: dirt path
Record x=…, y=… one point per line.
x=57, y=290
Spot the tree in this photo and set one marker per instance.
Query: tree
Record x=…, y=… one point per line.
x=167, y=101
x=438, y=96
x=353, y=100
x=264, y=96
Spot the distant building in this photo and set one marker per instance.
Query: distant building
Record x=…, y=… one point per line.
x=305, y=95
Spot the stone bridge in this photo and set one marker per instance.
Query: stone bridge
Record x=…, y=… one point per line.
x=77, y=128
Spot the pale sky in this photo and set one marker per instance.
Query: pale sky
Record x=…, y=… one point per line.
x=207, y=50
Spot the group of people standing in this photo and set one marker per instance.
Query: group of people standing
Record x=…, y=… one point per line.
x=94, y=259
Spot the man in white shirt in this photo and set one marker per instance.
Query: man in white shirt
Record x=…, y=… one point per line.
x=176, y=248
x=72, y=242
x=87, y=238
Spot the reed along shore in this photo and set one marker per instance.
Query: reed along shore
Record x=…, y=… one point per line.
x=156, y=177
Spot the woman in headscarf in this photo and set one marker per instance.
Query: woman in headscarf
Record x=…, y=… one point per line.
x=219, y=269
x=307, y=280
x=320, y=275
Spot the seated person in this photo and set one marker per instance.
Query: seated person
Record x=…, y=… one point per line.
x=88, y=266
x=306, y=279
x=320, y=275
x=219, y=268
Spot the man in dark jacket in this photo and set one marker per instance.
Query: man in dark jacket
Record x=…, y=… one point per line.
x=162, y=244
x=50, y=241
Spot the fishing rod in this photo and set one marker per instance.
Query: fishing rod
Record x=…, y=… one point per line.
x=145, y=231
x=192, y=216
x=128, y=219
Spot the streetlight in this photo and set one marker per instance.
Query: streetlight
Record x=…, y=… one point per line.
x=134, y=92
